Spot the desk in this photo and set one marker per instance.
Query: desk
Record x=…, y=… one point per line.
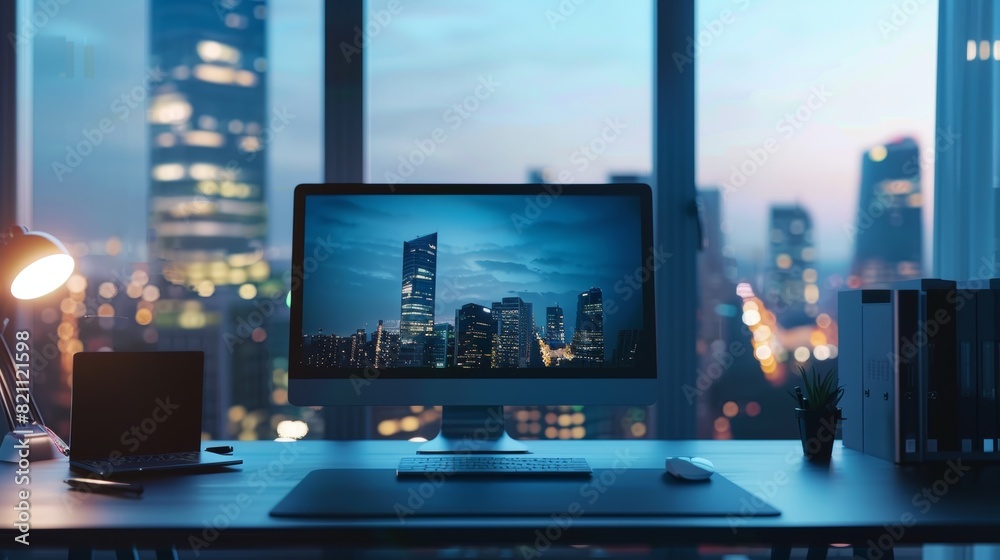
x=854, y=499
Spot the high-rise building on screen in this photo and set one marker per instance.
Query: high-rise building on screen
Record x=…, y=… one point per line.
x=416, y=314
x=627, y=348
x=555, y=326
x=474, y=333
x=791, y=290
x=385, y=347
x=515, y=332
x=588, y=338
x=443, y=347
x=888, y=232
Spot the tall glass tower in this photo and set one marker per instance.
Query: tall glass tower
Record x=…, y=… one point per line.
x=791, y=290
x=888, y=233
x=514, y=332
x=208, y=126
x=443, y=347
x=588, y=338
x=416, y=315
x=555, y=326
x=474, y=334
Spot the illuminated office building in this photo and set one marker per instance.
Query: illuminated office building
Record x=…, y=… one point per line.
x=555, y=326
x=515, y=325
x=357, y=345
x=588, y=338
x=443, y=347
x=790, y=289
x=475, y=331
x=627, y=348
x=208, y=127
x=416, y=315
x=384, y=347
x=888, y=232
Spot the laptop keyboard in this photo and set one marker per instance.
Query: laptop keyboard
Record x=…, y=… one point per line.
x=184, y=457
x=466, y=465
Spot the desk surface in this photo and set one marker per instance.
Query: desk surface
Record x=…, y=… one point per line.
x=853, y=499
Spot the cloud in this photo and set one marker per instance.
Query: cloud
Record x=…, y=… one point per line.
x=501, y=266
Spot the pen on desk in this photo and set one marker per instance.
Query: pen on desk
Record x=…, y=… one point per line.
x=97, y=485
x=220, y=449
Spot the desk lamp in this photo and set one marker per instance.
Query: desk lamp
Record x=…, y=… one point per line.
x=31, y=265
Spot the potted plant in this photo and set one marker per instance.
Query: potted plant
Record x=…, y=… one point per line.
x=818, y=412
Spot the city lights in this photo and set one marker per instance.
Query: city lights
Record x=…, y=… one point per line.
x=878, y=153
x=292, y=429
x=170, y=108
x=213, y=51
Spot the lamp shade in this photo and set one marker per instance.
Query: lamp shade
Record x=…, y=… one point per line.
x=33, y=263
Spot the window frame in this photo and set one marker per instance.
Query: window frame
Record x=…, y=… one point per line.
x=8, y=116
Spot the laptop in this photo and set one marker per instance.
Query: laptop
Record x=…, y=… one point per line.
x=138, y=412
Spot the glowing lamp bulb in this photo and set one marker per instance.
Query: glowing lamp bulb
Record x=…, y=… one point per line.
x=42, y=276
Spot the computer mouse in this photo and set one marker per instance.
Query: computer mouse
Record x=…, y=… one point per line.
x=690, y=468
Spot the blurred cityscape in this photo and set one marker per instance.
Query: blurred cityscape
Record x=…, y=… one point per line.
x=210, y=283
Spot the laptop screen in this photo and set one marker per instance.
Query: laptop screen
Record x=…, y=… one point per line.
x=135, y=403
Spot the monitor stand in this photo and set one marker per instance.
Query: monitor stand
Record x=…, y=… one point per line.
x=473, y=429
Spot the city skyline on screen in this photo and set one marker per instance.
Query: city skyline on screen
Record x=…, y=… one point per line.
x=485, y=253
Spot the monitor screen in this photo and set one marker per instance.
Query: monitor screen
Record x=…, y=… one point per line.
x=473, y=282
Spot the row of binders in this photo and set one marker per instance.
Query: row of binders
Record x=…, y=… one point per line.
x=918, y=363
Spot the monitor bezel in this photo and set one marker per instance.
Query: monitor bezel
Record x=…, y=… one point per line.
x=443, y=386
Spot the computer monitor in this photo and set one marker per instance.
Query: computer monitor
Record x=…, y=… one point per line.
x=473, y=297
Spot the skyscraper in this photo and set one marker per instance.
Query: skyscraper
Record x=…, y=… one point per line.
x=515, y=326
x=385, y=347
x=888, y=232
x=791, y=289
x=475, y=330
x=588, y=338
x=207, y=118
x=358, y=349
x=443, y=347
x=966, y=149
x=555, y=326
x=627, y=348
x=207, y=213
x=416, y=315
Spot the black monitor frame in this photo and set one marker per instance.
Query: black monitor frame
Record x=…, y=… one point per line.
x=433, y=386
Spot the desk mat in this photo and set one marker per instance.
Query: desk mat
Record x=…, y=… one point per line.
x=357, y=493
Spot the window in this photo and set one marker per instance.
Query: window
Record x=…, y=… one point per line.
x=510, y=92
x=815, y=167
x=165, y=140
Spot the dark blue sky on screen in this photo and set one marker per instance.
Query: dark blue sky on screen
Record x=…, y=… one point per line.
x=575, y=244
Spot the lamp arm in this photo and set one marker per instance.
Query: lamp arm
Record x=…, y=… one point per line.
x=7, y=374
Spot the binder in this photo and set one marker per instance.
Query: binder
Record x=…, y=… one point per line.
x=879, y=402
x=921, y=368
x=939, y=320
x=850, y=365
x=906, y=351
x=967, y=352
x=986, y=334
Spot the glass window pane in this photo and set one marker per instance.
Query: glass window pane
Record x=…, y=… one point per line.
x=167, y=137
x=510, y=92
x=815, y=143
